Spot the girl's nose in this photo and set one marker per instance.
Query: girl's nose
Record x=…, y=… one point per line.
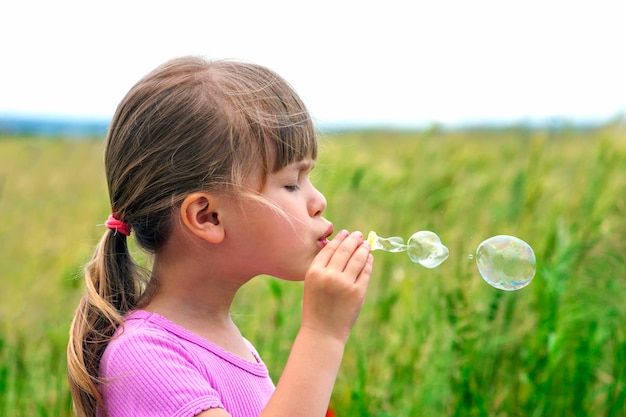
x=317, y=203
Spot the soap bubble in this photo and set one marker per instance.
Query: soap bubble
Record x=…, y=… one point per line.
x=506, y=262
x=423, y=247
x=426, y=248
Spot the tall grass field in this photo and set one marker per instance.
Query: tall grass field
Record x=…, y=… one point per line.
x=429, y=342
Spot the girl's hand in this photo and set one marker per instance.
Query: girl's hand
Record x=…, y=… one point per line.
x=334, y=290
x=335, y=285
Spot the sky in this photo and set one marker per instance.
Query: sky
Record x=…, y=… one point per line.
x=393, y=62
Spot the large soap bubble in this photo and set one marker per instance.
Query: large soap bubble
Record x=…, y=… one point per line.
x=506, y=262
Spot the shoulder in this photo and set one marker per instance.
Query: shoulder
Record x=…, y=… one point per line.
x=143, y=341
x=141, y=330
x=147, y=367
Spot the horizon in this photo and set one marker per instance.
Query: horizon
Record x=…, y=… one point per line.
x=55, y=125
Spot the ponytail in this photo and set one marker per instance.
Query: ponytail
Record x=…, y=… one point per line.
x=111, y=292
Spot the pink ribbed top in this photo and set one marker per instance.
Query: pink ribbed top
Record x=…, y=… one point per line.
x=157, y=368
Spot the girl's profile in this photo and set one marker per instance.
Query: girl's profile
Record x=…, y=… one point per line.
x=207, y=166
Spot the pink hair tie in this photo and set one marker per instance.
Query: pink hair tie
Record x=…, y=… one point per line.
x=118, y=225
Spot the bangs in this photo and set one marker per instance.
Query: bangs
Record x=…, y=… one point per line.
x=294, y=143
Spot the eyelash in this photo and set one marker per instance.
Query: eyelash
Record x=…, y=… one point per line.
x=292, y=188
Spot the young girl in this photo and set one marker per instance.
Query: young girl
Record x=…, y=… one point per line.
x=208, y=166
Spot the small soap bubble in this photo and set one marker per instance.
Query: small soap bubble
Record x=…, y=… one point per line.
x=471, y=256
x=506, y=262
x=423, y=247
x=426, y=248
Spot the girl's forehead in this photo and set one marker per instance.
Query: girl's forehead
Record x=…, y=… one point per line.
x=306, y=164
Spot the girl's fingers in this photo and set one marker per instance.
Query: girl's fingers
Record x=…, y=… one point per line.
x=358, y=261
x=364, y=277
x=344, y=252
x=324, y=256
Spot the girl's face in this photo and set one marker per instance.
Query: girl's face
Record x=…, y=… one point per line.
x=282, y=238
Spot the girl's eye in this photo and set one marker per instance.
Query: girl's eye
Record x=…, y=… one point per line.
x=292, y=187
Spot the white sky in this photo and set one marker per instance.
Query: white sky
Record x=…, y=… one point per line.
x=388, y=62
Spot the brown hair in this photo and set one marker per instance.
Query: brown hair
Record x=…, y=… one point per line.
x=190, y=125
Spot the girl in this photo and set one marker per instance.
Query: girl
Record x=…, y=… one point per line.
x=208, y=164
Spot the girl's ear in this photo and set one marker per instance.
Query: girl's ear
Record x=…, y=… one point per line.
x=200, y=213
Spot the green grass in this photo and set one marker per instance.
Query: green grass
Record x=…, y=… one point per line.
x=437, y=342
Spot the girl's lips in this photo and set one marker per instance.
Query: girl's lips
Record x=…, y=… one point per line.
x=324, y=239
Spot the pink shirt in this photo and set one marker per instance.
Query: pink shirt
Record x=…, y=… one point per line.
x=157, y=368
